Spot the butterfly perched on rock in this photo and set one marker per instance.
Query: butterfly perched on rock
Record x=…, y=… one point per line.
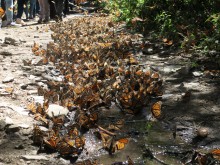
x=156, y=109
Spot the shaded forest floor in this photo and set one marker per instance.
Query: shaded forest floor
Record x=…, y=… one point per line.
x=191, y=102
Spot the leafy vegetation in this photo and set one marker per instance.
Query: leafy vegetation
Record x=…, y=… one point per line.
x=187, y=22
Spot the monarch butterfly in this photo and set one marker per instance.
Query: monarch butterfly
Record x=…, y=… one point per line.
x=65, y=149
x=155, y=76
x=79, y=142
x=58, y=120
x=69, y=141
x=120, y=144
x=106, y=140
x=2, y=12
x=117, y=126
x=105, y=45
x=38, y=135
x=73, y=131
x=32, y=107
x=87, y=162
x=156, y=109
x=52, y=141
x=130, y=162
x=216, y=153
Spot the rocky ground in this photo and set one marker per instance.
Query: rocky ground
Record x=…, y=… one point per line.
x=191, y=97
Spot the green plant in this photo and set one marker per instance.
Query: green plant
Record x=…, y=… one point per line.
x=189, y=21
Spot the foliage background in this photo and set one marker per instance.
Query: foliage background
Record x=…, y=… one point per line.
x=187, y=22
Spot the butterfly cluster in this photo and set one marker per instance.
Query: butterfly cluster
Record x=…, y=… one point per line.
x=99, y=67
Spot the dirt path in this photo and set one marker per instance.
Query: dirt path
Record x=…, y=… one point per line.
x=18, y=84
x=21, y=73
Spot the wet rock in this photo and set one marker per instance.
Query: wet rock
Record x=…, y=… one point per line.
x=34, y=157
x=171, y=69
x=56, y=110
x=167, y=96
x=148, y=50
x=8, y=79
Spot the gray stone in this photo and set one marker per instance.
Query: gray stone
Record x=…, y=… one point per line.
x=37, y=99
x=8, y=121
x=23, y=86
x=2, y=125
x=8, y=79
x=31, y=92
x=20, y=110
x=5, y=53
x=44, y=129
x=56, y=110
x=34, y=157
x=19, y=147
x=26, y=68
x=25, y=126
x=12, y=128
x=10, y=41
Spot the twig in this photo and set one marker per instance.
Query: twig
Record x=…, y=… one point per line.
x=106, y=131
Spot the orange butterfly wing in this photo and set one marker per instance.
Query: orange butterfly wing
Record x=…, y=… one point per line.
x=156, y=109
x=120, y=144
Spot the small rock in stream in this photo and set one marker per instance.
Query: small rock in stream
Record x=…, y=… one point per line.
x=202, y=132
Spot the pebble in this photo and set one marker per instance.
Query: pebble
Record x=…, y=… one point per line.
x=8, y=79
x=23, y=86
x=56, y=110
x=202, y=132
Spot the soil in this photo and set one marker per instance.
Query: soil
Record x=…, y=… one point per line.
x=191, y=100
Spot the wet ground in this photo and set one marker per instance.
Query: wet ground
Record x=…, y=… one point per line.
x=191, y=102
